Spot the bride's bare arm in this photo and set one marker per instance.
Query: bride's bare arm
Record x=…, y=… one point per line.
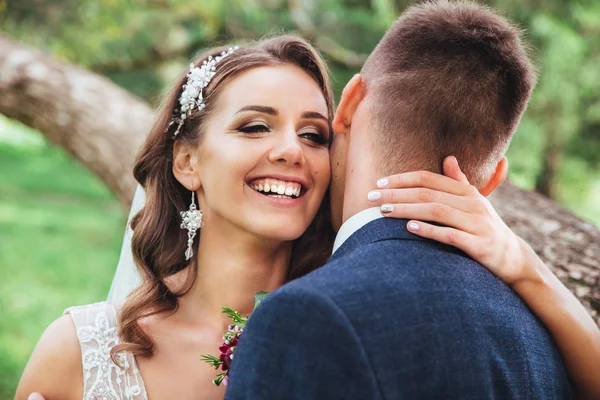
x=54, y=369
x=472, y=225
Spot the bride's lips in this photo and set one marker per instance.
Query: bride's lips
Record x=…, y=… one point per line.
x=294, y=185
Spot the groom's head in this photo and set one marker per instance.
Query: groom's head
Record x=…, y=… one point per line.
x=448, y=78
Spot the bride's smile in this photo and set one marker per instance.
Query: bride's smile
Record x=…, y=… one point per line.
x=236, y=172
x=262, y=165
x=284, y=188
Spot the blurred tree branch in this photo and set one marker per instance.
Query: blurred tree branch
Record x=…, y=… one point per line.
x=326, y=44
x=93, y=119
x=103, y=126
x=299, y=15
x=152, y=58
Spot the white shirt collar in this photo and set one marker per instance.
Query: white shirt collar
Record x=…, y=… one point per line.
x=354, y=223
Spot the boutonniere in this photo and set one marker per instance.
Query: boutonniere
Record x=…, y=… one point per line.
x=230, y=341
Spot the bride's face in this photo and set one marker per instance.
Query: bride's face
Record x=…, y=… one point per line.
x=264, y=159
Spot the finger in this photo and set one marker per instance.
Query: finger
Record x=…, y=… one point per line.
x=425, y=179
x=433, y=212
x=424, y=195
x=35, y=396
x=452, y=170
x=453, y=237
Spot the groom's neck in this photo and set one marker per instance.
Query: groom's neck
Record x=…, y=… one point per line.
x=361, y=178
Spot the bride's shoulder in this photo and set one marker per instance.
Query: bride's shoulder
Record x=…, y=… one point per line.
x=54, y=368
x=95, y=325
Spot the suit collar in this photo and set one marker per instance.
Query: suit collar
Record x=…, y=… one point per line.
x=354, y=223
x=376, y=231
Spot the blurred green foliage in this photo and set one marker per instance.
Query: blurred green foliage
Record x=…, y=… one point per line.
x=60, y=229
x=143, y=44
x=60, y=234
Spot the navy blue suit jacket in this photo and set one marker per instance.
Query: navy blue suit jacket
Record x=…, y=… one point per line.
x=395, y=316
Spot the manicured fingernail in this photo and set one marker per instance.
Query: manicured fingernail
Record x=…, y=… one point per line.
x=387, y=208
x=383, y=182
x=413, y=226
x=374, y=195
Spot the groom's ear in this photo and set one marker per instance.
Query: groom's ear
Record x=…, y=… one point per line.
x=353, y=94
x=185, y=165
x=497, y=178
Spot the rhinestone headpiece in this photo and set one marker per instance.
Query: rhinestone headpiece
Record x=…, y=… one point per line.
x=197, y=79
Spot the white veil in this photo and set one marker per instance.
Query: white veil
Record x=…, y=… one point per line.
x=127, y=278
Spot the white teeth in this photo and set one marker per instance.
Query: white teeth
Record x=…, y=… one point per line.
x=278, y=190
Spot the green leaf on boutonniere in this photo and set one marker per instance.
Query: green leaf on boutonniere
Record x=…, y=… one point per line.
x=212, y=360
x=258, y=298
x=235, y=316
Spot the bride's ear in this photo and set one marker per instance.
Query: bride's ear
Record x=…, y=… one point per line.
x=352, y=95
x=186, y=166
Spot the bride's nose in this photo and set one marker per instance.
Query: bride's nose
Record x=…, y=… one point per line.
x=288, y=150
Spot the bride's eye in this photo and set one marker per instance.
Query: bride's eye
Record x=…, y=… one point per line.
x=314, y=136
x=254, y=128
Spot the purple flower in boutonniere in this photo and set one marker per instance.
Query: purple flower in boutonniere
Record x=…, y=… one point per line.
x=230, y=341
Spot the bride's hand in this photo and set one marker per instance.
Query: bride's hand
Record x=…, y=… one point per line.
x=471, y=224
x=470, y=221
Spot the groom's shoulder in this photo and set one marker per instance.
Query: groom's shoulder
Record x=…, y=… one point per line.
x=365, y=268
x=394, y=268
x=372, y=262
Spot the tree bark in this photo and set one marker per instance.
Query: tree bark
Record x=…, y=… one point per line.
x=103, y=126
x=566, y=243
x=93, y=119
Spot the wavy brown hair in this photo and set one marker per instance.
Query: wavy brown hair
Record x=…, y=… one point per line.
x=158, y=243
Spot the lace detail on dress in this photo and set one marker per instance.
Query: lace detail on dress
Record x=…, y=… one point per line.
x=96, y=326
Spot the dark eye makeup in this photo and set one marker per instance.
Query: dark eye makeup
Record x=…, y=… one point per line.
x=258, y=128
x=254, y=128
x=315, y=137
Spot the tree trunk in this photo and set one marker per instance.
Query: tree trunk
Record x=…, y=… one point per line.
x=93, y=119
x=103, y=126
x=569, y=245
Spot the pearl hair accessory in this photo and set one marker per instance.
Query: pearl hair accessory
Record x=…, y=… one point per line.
x=197, y=79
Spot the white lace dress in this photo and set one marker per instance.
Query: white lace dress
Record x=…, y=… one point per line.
x=96, y=326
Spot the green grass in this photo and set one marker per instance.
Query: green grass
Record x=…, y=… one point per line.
x=60, y=236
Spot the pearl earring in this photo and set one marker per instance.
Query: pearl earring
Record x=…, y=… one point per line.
x=192, y=221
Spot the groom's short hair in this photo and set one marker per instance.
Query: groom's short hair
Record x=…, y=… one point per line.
x=448, y=78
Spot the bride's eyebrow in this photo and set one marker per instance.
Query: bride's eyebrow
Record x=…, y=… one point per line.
x=260, y=109
x=274, y=112
x=314, y=115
